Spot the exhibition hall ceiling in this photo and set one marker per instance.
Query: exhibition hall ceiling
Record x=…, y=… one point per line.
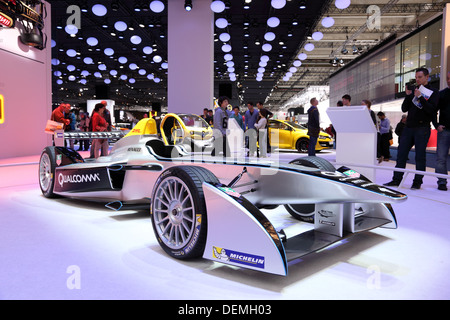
x=121, y=45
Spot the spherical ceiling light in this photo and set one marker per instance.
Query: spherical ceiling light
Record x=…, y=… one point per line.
x=293, y=69
x=88, y=60
x=264, y=58
x=147, y=50
x=109, y=51
x=71, y=68
x=309, y=47
x=53, y=43
x=132, y=80
x=83, y=81
x=157, y=6
x=72, y=78
x=224, y=37
x=228, y=57
x=266, y=47
x=165, y=65
x=297, y=63
x=71, y=53
x=59, y=81
x=302, y=56
x=107, y=81
x=113, y=73
x=120, y=26
x=123, y=77
x=327, y=22
x=157, y=80
x=273, y=22
x=221, y=23
x=123, y=60
x=263, y=64
x=97, y=75
x=99, y=10
x=71, y=29
x=150, y=77
x=217, y=6
x=157, y=59
x=85, y=73
x=342, y=4
x=57, y=73
x=133, y=66
x=135, y=39
x=92, y=41
x=278, y=4
x=269, y=36
x=55, y=62
x=226, y=48
x=230, y=69
x=317, y=35
x=102, y=67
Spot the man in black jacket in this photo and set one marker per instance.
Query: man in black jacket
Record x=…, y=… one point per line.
x=422, y=111
x=313, y=126
x=443, y=136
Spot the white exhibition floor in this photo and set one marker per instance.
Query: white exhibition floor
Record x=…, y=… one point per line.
x=67, y=249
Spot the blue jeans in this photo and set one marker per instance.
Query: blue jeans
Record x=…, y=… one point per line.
x=312, y=146
x=442, y=148
x=410, y=137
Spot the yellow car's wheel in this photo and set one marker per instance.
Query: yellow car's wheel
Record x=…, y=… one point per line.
x=302, y=145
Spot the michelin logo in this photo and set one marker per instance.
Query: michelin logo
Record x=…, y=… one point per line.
x=78, y=178
x=226, y=255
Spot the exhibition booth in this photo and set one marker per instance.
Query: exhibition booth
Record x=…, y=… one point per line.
x=180, y=210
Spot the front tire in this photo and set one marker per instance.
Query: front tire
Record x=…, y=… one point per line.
x=179, y=211
x=305, y=212
x=302, y=145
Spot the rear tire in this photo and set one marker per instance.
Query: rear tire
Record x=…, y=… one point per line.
x=178, y=211
x=305, y=212
x=47, y=167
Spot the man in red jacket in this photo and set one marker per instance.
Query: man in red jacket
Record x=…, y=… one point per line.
x=59, y=113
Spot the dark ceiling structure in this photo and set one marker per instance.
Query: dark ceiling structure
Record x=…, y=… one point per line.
x=120, y=49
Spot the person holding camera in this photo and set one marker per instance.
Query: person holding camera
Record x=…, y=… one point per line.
x=421, y=107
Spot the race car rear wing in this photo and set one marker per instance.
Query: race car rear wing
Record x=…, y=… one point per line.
x=60, y=135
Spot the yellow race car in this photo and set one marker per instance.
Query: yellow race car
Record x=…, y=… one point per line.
x=187, y=129
x=290, y=135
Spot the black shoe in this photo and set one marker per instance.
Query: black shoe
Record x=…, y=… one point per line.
x=416, y=185
x=392, y=184
x=442, y=187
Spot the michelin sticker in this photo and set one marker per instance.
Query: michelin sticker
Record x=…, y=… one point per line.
x=226, y=255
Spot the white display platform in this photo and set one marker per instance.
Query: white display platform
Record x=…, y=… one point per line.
x=356, y=138
x=75, y=250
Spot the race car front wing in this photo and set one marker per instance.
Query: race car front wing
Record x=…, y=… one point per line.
x=240, y=234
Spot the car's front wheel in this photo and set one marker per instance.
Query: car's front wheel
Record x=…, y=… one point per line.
x=305, y=212
x=302, y=145
x=179, y=211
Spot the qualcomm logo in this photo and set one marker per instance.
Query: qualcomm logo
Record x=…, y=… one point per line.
x=78, y=178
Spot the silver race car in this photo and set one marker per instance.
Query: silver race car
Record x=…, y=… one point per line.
x=211, y=207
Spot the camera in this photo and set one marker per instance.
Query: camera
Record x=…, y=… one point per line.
x=411, y=85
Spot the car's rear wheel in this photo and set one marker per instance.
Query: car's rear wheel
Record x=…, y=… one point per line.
x=179, y=211
x=47, y=167
x=305, y=212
